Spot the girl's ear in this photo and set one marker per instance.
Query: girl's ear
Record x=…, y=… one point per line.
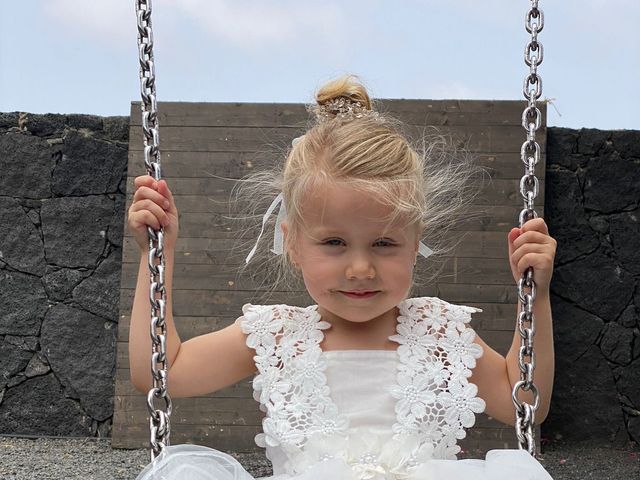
x=285, y=234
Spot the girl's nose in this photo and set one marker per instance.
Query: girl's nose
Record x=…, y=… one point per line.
x=361, y=268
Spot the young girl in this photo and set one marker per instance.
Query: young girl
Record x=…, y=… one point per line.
x=368, y=383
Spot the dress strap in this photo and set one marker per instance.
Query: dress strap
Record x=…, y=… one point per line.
x=435, y=354
x=291, y=384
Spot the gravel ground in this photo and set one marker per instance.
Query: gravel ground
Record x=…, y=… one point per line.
x=94, y=459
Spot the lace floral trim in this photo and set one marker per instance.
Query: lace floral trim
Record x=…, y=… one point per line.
x=291, y=385
x=436, y=352
x=435, y=403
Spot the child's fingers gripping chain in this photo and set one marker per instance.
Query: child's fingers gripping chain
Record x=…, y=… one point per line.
x=143, y=181
x=150, y=203
x=168, y=201
x=147, y=193
x=164, y=197
x=146, y=212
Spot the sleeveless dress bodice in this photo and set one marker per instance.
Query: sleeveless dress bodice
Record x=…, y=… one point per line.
x=423, y=383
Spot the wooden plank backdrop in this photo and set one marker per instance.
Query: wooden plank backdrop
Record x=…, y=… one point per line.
x=232, y=139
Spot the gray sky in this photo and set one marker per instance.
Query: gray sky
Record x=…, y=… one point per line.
x=79, y=56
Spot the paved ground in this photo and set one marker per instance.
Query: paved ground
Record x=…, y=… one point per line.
x=94, y=459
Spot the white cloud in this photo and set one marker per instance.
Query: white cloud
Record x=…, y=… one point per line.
x=250, y=25
x=107, y=22
x=455, y=89
x=594, y=19
x=256, y=25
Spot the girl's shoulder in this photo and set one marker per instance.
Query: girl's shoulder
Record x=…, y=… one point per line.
x=435, y=304
x=437, y=314
x=275, y=320
x=254, y=312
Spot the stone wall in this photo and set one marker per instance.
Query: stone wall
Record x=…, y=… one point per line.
x=593, y=209
x=62, y=192
x=62, y=187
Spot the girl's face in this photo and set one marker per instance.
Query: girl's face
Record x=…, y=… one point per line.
x=344, y=250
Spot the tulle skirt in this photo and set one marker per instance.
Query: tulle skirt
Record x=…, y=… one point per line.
x=195, y=462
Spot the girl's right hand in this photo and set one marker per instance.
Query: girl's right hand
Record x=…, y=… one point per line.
x=152, y=206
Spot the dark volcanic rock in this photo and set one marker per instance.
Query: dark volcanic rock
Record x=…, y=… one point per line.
x=38, y=406
x=80, y=348
x=12, y=360
x=611, y=183
x=116, y=128
x=585, y=402
x=628, y=380
x=59, y=282
x=591, y=205
x=24, y=303
x=591, y=279
x=62, y=200
x=625, y=238
x=75, y=228
x=100, y=293
x=25, y=163
x=567, y=217
x=617, y=343
x=116, y=227
x=20, y=242
x=591, y=141
x=45, y=125
x=626, y=142
x=88, y=166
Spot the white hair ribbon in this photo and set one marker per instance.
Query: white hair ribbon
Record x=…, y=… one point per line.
x=277, y=236
x=277, y=240
x=424, y=250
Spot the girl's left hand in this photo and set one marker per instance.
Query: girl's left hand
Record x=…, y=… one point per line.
x=532, y=246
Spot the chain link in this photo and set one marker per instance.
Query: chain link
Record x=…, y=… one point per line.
x=529, y=186
x=159, y=419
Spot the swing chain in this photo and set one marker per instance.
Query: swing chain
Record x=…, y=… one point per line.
x=529, y=186
x=159, y=425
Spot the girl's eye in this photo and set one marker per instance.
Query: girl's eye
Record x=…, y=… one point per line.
x=328, y=242
x=384, y=243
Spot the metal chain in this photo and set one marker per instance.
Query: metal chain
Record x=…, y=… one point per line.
x=159, y=419
x=530, y=155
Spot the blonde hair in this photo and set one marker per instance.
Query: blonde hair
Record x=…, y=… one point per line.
x=426, y=183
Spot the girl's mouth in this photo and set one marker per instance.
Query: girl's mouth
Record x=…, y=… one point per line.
x=359, y=295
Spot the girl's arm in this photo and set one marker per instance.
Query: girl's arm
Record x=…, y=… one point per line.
x=544, y=356
x=140, y=324
x=199, y=366
x=495, y=375
x=202, y=364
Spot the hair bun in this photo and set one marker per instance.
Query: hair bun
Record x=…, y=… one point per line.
x=344, y=97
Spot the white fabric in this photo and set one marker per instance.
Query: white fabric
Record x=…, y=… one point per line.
x=359, y=414
x=357, y=379
x=277, y=235
x=194, y=462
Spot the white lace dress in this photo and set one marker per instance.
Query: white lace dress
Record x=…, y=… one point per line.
x=359, y=414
